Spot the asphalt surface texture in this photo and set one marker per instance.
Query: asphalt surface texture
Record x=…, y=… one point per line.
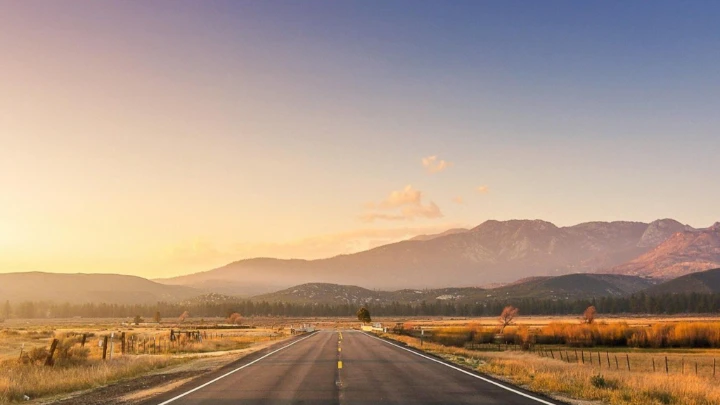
x=348, y=368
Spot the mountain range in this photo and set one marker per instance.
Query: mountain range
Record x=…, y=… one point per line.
x=493, y=252
x=82, y=288
x=594, y=258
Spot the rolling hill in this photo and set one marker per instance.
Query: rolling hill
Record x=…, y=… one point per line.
x=324, y=293
x=573, y=286
x=81, y=288
x=493, y=252
x=567, y=287
x=704, y=282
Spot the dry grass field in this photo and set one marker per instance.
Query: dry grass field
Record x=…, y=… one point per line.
x=24, y=349
x=597, y=373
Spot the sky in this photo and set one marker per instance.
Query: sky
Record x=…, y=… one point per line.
x=168, y=137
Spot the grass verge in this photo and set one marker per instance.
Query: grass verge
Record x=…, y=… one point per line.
x=19, y=380
x=580, y=382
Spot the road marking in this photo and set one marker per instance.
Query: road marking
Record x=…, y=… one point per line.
x=542, y=401
x=233, y=371
x=339, y=365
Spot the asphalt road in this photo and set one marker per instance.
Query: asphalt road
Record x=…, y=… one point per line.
x=348, y=368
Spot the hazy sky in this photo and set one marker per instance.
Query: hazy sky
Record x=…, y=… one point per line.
x=164, y=137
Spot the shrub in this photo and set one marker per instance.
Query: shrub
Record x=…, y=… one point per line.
x=68, y=353
x=36, y=355
x=598, y=381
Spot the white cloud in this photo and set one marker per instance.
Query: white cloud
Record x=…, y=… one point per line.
x=434, y=165
x=406, y=205
x=372, y=216
x=406, y=196
x=430, y=210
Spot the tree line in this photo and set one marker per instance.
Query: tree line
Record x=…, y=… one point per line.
x=633, y=304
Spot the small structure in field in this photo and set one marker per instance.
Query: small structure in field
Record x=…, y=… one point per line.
x=375, y=327
x=304, y=328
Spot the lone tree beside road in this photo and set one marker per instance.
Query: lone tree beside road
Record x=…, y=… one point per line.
x=507, y=316
x=364, y=315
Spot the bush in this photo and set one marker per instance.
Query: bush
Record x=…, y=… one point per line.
x=69, y=353
x=598, y=381
x=36, y=355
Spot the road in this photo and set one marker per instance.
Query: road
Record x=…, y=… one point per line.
x=348, y=368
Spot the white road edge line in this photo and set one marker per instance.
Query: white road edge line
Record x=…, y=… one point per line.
x=233, y=371
x=542, y=401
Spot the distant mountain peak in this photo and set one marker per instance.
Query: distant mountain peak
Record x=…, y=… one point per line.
x=452, y=231
x=661, y=230
x=515, y=224
x=684, y=252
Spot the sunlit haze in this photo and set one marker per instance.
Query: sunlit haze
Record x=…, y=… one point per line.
x=167, y=137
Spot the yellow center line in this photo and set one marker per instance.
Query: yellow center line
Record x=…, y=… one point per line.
x=339, y=363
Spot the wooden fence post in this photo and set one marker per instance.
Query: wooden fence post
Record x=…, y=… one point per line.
x=122, y=343
x=582, y=353
x=627, y=357
x=608, y=358
x=667, y=370
x=82, y=342
x=105, y=345
x=653, y=361
x=617, y=366
x=599, y=360
x=696, y=371
x=713, y=367
x=683, y=366
x=49, y=361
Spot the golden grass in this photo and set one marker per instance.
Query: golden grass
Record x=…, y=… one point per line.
x=17, y=380
x=553, y=376
x=152, y=340
x=83, y=368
